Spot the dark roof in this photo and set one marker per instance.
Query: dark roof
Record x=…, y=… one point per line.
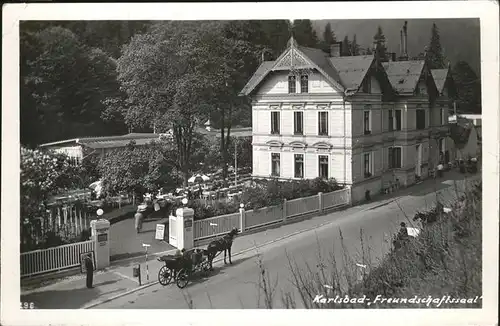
x=345, y=73
x=404, y=75
x=320, y=59
x=106, y=141
x=258, y=76
x=352, y=70
x=116, y=143
x=439, y=76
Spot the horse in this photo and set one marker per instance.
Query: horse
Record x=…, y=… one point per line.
x=219, y=245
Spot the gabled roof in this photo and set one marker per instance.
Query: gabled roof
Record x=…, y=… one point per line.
x=352, y=70
x=404, y=75
x=295, y=57
x=320, y=58
x=440, y=76
x=258, y=76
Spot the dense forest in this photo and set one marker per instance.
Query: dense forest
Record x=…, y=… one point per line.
x=96, y=78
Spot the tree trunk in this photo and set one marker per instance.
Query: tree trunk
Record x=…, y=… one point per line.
x=185, y=175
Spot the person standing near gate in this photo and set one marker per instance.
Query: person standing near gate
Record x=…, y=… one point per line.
x=89, y=266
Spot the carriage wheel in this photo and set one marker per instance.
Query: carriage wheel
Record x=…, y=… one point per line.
x=165, y=275
x=182, y=279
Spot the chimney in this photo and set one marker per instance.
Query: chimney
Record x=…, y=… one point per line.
x=335, y=49
x=405, y=30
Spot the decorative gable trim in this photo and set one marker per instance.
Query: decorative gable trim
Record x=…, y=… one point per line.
x=292, y=59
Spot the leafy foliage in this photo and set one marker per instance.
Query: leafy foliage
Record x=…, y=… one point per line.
x=435, y=56
x=380, y=46
x=269, y=193
x=137, y=169
x=304, y=33
x=43, y=174
x=63, y=83
x=468, y=87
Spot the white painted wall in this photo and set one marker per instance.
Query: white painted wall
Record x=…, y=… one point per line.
x=277, y=83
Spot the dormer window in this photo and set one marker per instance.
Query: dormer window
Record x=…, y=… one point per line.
x=304, y=84
x=291, y=85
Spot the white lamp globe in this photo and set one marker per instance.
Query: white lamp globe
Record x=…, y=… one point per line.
x=184, y=201
x=242, y=205
x=100, y=212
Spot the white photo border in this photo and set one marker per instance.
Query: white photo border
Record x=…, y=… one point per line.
x=487, y=11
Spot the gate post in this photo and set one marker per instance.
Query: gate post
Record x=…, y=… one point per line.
x=100, y=236
x=320, y=201
x=184, y=226
x=242, y=218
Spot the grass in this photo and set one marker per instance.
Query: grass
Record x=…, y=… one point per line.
x=444, y=260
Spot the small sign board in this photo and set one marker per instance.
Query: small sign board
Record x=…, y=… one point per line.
x=188, y=223
x=83, y=268
x=160, y=232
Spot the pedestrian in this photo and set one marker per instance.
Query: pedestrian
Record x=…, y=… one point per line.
x=89, y=266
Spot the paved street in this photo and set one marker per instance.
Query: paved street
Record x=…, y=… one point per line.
x=235, y=286
x=125, y=242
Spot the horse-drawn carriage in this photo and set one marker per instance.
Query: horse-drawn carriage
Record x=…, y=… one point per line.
x=183, y=266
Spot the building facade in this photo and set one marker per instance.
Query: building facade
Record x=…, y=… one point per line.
x=348, y=118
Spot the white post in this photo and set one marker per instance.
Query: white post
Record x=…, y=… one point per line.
x=320, y=201
x=100, y=235
x=242, y=217
x=184, y=224
x=147, y=267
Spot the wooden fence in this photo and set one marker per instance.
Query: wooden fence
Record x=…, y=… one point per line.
x=247, y=220
x=53, y=259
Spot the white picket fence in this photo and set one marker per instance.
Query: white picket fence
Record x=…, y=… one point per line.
x=53, y=259
x=246, y=220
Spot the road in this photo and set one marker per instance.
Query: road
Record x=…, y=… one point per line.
x=125, y=241
x=234, y=286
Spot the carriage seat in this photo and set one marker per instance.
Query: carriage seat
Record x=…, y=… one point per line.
x=169, y=258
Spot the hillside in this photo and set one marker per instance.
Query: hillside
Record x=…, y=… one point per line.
x=457, y=46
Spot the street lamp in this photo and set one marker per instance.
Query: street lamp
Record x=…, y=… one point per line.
x=184, y=201
x=242, y=205
x=100, y=212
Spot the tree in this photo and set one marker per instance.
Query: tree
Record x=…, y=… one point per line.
x=380, y=47
x=43, y=174
x=328, y=35
x=354, y=46
x=435, y=56
x=178, y=75
x=138, y=169
x=329, y=38
x=304, y=33
x=468, y=87
x=346, y=47
x=63, y=83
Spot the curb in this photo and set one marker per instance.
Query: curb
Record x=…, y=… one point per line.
x=218, y=260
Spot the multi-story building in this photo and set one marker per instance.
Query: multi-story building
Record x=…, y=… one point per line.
x=363, y=122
